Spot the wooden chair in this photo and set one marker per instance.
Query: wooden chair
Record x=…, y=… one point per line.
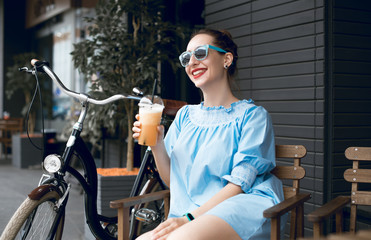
x=7, y=128
x=294, y=201
x=354, y=175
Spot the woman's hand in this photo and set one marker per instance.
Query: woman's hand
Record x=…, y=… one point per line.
x=137, y=129
x=159, y=151
x=163, y=230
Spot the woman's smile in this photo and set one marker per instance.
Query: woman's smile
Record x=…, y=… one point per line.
x=198, y=72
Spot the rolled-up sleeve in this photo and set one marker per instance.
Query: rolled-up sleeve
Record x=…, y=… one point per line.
x=256, y=149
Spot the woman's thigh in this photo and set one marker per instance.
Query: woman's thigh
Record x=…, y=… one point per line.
x=204, y=228
x=145, y=236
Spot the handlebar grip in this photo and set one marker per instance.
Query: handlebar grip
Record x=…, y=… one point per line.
x=39, y=64
x=34, y=61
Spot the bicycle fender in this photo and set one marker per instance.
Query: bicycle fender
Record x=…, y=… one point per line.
x=40, y=191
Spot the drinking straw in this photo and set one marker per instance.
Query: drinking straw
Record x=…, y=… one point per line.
x=154, y=89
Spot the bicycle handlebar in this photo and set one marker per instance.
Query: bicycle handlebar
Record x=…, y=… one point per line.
x=44, y=67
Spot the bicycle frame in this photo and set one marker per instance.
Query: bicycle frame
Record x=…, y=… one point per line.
x=75, y=144
x=54, y=189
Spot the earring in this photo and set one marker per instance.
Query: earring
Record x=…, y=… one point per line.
x=226, y=66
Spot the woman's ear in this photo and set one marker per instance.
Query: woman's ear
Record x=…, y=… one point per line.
x=228, y=59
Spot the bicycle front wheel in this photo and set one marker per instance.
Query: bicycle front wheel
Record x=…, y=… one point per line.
x=34, y=219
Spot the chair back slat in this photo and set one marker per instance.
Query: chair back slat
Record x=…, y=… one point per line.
x=358, y=153
x=358, y=175
x=289, y=172
x=12, y=124
x=293, y=172
x=361, y=198
x=290, y=151
x=289, y=192
x=7, y=128
x=172, y=106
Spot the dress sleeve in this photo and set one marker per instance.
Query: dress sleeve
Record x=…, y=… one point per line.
x=174, y=130
x=256, y=149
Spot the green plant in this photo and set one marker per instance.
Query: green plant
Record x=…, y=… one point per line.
x=127, y=39
x=21, y=81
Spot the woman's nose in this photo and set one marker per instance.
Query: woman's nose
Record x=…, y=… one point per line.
x=192, y=60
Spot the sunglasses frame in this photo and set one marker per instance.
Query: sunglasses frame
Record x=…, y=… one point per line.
x=207, y=46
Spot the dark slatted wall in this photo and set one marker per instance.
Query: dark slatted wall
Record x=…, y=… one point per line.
x=281, y=67
x=351, y=86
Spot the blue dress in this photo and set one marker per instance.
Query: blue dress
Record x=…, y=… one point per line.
x=209, y=147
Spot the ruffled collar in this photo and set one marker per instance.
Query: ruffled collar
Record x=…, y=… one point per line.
x=203, y=116
x=222, y=108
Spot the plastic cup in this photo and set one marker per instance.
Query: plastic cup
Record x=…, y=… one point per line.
x=149, y=117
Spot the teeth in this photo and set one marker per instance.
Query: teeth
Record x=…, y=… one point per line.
x=198, y=72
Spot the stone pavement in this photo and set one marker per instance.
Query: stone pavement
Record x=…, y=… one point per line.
x=16, y=183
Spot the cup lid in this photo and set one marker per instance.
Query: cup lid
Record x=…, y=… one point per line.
x=147, y=101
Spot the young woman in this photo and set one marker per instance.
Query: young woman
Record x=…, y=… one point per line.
x=216, y=156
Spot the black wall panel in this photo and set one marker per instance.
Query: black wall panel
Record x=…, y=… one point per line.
x=308, y=62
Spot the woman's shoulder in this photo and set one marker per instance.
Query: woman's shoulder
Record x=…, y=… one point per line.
x=182, y=114
x=249, y=106
x=249, y=111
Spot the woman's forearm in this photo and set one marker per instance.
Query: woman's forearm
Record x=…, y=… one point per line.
x=162, y=161
x=228, y=191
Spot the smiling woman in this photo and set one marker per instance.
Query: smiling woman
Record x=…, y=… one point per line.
x=212, y=56
x=217, y=155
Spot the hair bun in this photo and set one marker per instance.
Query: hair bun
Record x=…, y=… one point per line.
x=226, y=32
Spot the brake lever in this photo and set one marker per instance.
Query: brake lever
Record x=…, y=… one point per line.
x=25, y=69
x=138, y=92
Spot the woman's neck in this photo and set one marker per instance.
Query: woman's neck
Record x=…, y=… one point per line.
x=222, y=97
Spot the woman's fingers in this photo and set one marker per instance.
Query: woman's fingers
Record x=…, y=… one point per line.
x=161, y=234
x=136, y=129
x=161, y=230
x=163, y=237
x=136, y=124
x=165, y=228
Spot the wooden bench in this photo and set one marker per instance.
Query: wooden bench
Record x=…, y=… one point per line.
x=7, y=128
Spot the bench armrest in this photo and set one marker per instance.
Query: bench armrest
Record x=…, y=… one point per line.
x=286, y=205
x=328, y=209
x=123, y=209
x=145, y=198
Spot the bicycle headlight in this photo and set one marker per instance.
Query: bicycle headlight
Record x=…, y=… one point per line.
x=52, y=163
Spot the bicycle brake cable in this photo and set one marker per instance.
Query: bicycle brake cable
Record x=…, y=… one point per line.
x=37, y=89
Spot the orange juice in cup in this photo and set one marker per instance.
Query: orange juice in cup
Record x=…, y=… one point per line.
x=149, y=117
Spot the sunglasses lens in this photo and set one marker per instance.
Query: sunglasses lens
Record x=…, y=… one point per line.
x=201, y=53
x=184, y=58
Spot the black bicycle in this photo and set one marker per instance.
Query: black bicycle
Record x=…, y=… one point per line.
x=42, y=214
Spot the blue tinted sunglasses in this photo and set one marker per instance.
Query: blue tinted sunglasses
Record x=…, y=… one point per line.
x=200, y=54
